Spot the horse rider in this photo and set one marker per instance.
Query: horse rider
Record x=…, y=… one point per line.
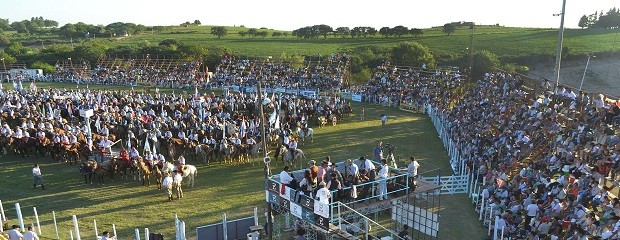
x=104, y=131
x=148, y=158
x=18, y=134
x=133, y=153
x=6, y=130
x=124, y=156
x=181, y=135
x=211, y=142
x=292, y=147
x=105, y=145
x=250, y=142
x=181, y=161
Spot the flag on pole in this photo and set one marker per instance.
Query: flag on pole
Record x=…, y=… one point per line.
x=277, y=123
x=128, y=141
x=147, y=146
x=154, y=149
x=196, y=90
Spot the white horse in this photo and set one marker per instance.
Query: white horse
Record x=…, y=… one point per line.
x=188, y=171
x=303, y=134
x=288, y=158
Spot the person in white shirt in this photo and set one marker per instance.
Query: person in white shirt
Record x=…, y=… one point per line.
x=412, y=170
x=383, y=175
x=178, y=177
x=37, y=179
x=106, y=145
x=323, y=193
x=31, y=235
x=351, y=170
x=285, y=177
x=167, y=184
x=14, y=233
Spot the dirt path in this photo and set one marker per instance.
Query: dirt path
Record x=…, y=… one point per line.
x=603, y=75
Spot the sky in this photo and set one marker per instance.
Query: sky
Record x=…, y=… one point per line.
x=290, y=14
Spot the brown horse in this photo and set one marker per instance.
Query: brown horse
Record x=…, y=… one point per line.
x=145, y=172
x=87, y=169
x=108, y=168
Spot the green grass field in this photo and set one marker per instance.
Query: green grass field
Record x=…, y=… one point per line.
x=508, y=43
x=235, y=190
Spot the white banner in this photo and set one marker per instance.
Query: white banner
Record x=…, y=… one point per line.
x=296, y=210
x=321, y=209
x=280, y=90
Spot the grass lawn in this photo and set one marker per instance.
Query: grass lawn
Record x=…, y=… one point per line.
x=235, y=190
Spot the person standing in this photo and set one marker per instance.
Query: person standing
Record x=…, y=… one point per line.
x=178, y=177
x=383, y=175
x=384, y=119
x=378, y=152
x=106, y=236
x=31, y=234
x=37, y=179
x=167, y=183
x=412, y=169
x=322, y=194
x=14, y=234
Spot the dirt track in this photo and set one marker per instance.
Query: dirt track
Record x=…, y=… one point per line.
x=603, y=75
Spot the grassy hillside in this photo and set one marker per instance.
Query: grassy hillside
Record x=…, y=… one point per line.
x=505, y=42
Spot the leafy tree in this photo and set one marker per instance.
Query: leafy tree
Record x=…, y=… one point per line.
x=583, y=22
x=262, y=34
x=415, y=32
x=15, y=49
x=123, y=50
x=483, y=62
x=448, y=28
x=252, y=31
x=400, y=30
x=343, y=31
x=242, y=33
x=361, y=77
x=357, y=32
x=4, y=40
x=371, y=31
x=46, y=67
x=192, y=52
x=8, y=59
x=219, y=31
x=196, y=22
x=285, y=34
x=170, y=42
x=89, y=51
x=276, y=34
x=412, y=54
x=4, y=24
x=323, y=30
x=385, y=31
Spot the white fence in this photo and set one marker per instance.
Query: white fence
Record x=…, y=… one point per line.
x=454, y=184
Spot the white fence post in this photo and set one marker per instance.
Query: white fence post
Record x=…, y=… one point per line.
x=36, y=217
x=146, y=234
x=77, y=229
x=114, y=230
x=2, y=209
x=255, y=216
x=224, y=227
x=55, y=225
x=494, y=227
x=19, y=216
x=71, y=234
x=95, y=226
x=137, y=234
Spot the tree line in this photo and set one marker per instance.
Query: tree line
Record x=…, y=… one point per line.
x=609, y=20
x=34, y=25
x=324, y=31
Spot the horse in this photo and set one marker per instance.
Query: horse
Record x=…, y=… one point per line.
x=189, y=172
x=333, y=118
x=87, y=170
x=303, y=133
x=107, y=167
x=127, y=168
x=205, y=151
x=145, y=172
x=24, y=146
x=287, y=156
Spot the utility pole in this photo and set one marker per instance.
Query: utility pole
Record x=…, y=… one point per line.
x=266, y=159
x=558, y=55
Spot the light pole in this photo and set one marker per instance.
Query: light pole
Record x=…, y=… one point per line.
x=558, y=55
x=3, y=70
x=584, y=71
x=261, y=103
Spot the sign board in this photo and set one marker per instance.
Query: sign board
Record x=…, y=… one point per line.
x=280, y=90
x=321, y=209
x=307, y=215
x=356, y=97
x=296, y=210
x=307, y=203
x=273, y=187
x=285, y=204
x=235, y=88
x=87, y=113
x=321, y=221
x=345, y=95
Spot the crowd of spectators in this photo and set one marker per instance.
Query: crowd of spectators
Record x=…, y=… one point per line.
x=324, y=75
x=545, y=160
